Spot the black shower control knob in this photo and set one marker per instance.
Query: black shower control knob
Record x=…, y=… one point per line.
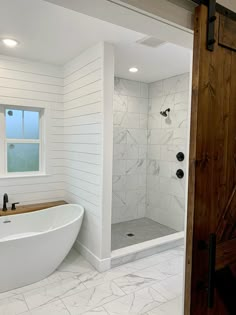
x=180, y=156
x=180, y=173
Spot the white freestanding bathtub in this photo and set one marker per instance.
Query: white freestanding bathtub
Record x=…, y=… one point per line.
x=32, y=245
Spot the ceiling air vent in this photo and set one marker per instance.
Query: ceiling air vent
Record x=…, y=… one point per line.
x=150, y=42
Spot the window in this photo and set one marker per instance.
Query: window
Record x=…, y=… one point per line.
x=21, y=141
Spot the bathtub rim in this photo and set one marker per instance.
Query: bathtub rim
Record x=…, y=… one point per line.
x=80, y=216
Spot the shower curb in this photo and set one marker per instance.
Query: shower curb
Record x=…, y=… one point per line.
x=138, y=251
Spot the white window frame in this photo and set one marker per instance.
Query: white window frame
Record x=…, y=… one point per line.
x=4, y=141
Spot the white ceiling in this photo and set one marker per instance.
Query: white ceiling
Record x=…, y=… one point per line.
x=52, y=34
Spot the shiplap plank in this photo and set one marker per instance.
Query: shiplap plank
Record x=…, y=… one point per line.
x=78, y=182
x=91, y=87
x=75, y=156
x=28, y=94
x=84, y=71
x=84, y=120
x=83, y=166
x=21, y=101
x=35, y=188
x=31, y=77
x=84, y=100
x=25, y=66
x=82, y=129
x=83, y=59
x=84, y=110
x=78, y=84
x=31, y=86
x=27, y=181
x=83, y=176
x=39, y=195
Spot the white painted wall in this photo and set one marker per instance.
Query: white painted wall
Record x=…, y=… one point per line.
x=31, y=84
x=85, y=103
x=83, y=140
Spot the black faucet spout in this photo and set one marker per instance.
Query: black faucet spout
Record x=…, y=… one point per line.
x=5, y=201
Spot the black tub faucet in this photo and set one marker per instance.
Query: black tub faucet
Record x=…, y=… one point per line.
x=5, y=201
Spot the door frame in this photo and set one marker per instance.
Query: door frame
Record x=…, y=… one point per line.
x=140, y=21
x=146, y=22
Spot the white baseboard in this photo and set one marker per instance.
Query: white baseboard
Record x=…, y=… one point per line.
x=100, y=264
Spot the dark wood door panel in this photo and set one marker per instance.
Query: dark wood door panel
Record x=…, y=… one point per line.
x=212, y=173
x=227, y=33
x=225, y=254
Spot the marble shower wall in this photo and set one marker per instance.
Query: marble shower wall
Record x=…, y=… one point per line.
x=130, y=117
x=145, y=148
x=167, y=137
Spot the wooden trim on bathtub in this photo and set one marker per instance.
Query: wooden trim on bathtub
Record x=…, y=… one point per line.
x=31, y=208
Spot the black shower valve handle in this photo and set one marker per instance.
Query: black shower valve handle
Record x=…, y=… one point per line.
x=180, y=156
x=180, y=173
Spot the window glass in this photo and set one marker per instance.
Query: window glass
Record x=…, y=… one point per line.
x=22, y=157
x=31, y=125
x=14, y=124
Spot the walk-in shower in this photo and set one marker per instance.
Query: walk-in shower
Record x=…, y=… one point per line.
x=149, y=159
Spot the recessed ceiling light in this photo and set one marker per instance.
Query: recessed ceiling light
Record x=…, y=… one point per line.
x=10, y=42
x=133, y=69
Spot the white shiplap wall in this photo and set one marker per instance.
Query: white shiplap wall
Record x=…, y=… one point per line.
x=83, y=141
x=26, y=83
x=78, y=103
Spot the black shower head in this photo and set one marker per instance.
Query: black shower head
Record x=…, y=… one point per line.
x=165, y=112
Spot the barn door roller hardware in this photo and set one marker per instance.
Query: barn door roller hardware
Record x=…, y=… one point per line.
x=214, y=7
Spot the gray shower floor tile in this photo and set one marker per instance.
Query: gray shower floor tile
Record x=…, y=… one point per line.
x=143, y=229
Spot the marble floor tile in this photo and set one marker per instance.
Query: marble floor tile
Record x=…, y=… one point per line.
x=171, y=287
x=95, y=278
x=49, y=293
x=178, y=251
x=54, y=308
x=172, y=267
x=151, y=260
x=13, y=305
x=91, y=298
x=173, y=307
x=7, y=295
x=152, y=285
x=51, y=279
x=138, y=302
x=97, y=311
x=74, y=264
x=143, y=229
x=152, y=273
x=134, y=282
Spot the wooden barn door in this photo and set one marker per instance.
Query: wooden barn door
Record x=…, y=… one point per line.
x=211, y=227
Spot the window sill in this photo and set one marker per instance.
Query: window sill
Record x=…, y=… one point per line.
x=24, y=176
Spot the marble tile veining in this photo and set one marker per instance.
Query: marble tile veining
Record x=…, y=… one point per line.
x=152, y=285
x=146, y=143
x=130, y=121
x=166, y=137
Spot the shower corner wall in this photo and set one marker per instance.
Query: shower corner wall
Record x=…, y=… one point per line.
x=145, y=145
